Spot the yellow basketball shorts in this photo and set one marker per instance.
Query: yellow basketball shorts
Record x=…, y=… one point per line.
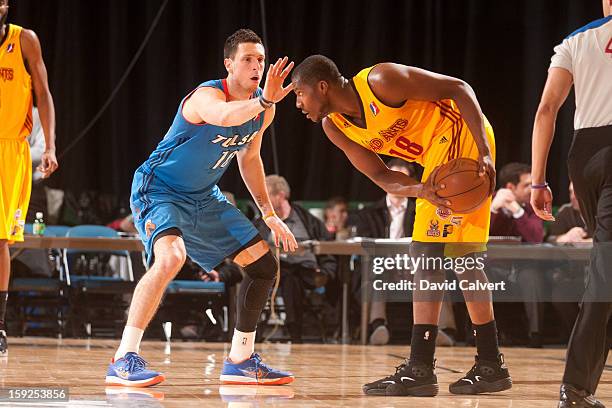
x=434, y=225
x=15, y=187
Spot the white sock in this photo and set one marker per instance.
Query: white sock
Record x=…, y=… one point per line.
x=243, y=345
x=130, y=341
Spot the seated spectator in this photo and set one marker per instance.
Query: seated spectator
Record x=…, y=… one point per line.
x=512, y=215
x=123, y=224
x=336, y=215
x=298, y=272
x=568, y=226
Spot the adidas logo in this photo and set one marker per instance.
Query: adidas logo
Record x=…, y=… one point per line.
x=443, y=140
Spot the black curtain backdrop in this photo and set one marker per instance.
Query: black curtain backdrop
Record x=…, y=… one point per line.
x=501, y=48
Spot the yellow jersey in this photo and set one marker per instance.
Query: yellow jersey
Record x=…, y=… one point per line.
x=15, y=88
x=431, y=134
x=408, y=132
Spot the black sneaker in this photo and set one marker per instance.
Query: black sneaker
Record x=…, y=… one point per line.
x=418, y=380
x=3, y=343
x=485, y=376
x=572, y=397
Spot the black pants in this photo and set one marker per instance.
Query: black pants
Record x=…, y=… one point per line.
x=590, y=168
x=295, y=279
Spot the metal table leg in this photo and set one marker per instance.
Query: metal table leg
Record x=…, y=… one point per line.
x=365, y=296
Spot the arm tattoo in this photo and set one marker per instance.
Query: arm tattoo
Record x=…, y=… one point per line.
x=260, y=202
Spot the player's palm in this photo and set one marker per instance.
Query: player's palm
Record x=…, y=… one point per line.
x=541, y=201
x=429, y=191
x=487, y=166
x=277, y=73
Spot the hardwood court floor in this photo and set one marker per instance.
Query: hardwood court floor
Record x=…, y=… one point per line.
x=326, y=375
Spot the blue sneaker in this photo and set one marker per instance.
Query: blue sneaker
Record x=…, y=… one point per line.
x=130, y=370
x=253, y=371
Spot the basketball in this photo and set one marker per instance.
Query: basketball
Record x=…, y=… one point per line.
x=463, y=186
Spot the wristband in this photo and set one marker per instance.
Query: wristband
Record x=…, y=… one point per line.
x=539, y=186
x=265, y=100
x=266, y=104
x=268, y=215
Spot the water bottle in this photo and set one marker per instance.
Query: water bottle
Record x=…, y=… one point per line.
x=39, y=224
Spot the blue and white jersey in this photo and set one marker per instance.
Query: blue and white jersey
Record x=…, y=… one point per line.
x=587, y=55
x=192, y=157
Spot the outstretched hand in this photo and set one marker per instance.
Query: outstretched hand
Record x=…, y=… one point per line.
x=277, y=73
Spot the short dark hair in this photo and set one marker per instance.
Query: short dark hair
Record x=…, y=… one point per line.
x=334, y=201
x=512, y=172
x=396, y=162
x=244, y=35
x=316, y=68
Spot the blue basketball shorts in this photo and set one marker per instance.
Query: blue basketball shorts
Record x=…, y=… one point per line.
x=211, y=227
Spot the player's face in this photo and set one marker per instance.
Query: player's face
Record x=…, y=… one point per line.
x=247, y=66
x=311, y=100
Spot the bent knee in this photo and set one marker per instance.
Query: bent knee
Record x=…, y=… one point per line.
x=172, y=260
x=264, y=267
x=252, y=254
x=170, y=254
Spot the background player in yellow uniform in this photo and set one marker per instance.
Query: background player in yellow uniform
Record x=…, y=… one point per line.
x=428, y=118
x=22, y=70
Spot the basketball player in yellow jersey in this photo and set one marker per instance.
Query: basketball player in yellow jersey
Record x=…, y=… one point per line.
x=22, y=71
x=428, y=118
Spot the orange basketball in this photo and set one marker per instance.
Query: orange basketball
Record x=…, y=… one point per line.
x=465, y=189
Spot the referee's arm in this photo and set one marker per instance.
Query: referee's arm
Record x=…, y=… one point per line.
x=557, y=88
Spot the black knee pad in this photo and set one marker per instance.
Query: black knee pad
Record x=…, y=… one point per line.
x=263, y=268
x=259, y=278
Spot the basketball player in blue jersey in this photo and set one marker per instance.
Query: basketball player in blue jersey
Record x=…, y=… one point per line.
x=179, y=210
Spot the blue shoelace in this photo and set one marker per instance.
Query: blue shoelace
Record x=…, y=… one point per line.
x=259, y=363
x=135, y=363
